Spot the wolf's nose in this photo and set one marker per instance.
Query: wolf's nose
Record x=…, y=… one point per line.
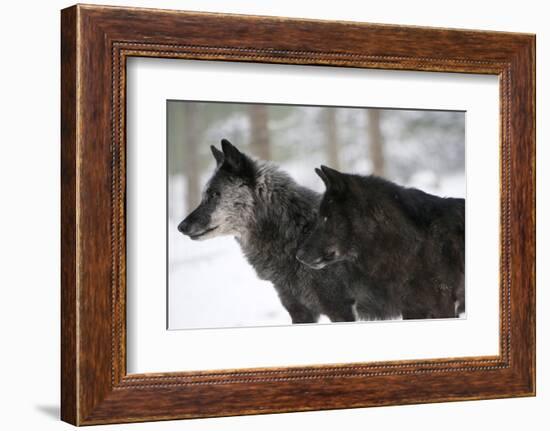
x=183, y=227
x=300, y=255
x=329, y=255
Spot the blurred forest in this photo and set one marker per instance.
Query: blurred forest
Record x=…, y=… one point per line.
x=210, y=283
x=405, y=146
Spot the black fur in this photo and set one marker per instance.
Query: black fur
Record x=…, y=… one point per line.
x=404, y=245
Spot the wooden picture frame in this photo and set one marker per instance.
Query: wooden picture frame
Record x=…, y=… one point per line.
x=95, y=43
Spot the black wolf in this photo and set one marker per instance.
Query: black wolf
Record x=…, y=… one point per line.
x=407, y=245
x=269, y=215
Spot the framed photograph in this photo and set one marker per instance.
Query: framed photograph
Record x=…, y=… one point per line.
x=264, y=215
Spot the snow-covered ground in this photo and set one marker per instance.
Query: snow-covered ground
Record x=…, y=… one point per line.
x=211, y=285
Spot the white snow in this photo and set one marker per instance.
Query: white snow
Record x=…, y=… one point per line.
x=212, y=285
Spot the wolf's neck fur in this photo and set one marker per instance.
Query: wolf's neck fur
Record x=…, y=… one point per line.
x=282, y=211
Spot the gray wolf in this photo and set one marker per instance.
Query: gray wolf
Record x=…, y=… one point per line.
x=406, y=245
x=269, y=214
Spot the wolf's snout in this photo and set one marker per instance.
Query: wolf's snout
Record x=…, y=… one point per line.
x=300, y=255
x=329, y=255
x=314, y=259
x=183, y=227
x=305, y=257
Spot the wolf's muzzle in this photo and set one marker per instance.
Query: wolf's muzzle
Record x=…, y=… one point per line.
x=184, y=226
x=316, y=262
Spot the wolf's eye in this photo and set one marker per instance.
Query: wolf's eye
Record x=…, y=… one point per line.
x=212, y=194
x=325, y=219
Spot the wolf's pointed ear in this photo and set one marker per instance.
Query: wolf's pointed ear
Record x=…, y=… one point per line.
x=233, y=158
x=218, y=155
x=322, y=175
x=332, y=178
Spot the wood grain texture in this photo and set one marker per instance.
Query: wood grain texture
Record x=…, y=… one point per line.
x=96, y=41
x=69, y=331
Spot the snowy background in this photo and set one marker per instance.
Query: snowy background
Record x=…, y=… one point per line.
x=210, y=284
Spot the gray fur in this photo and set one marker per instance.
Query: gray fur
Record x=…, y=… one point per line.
x=269, y=214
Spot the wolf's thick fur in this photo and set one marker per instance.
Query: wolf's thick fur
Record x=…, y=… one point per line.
x=407, y=246
x=269, y=214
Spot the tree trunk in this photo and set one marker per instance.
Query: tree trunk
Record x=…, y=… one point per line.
x=332, y=143
x=259, y=131
x=190, y=156
x=376, y=144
